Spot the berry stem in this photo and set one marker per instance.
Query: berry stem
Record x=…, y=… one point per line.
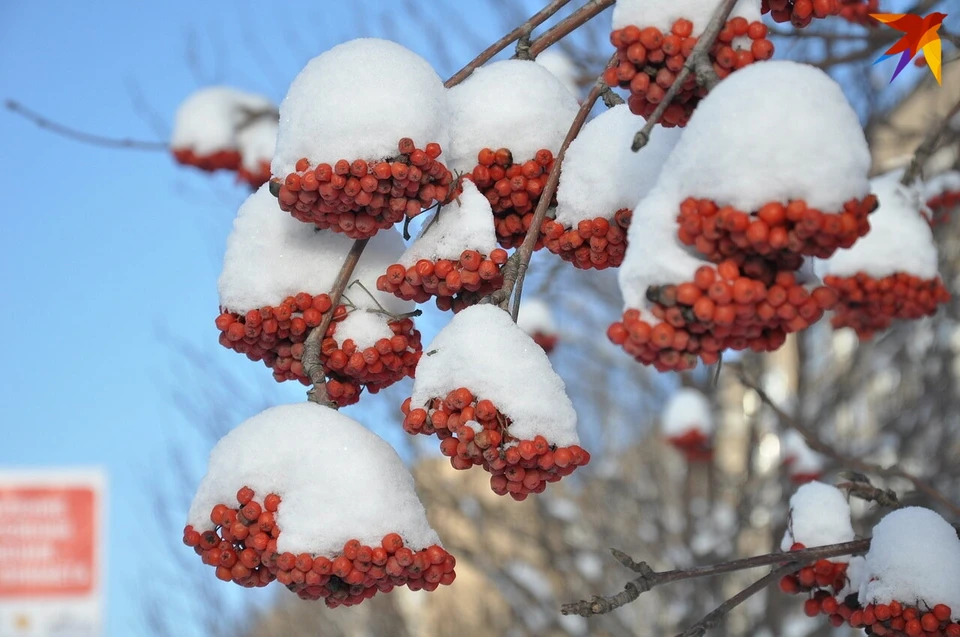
x=311, y=347
x=568, y=25
x=699, y=62
x=521, y=31
x=648, y=578
x=927, y=146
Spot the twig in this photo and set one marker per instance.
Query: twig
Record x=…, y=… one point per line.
x=311, y=347
x=815, y=443
x=568, y=25
x=523, y=30
x=648, y=579
x=78, y=135
x=513, y=281
x=699, y=62
x=927, y=147
x=610, y=98
x=713, y=618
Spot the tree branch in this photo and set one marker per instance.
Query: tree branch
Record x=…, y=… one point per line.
x=927, y=147
x=78, y=135
x=311, y=347
x=568, y=25
x=648, y=579
x=521, y=31
x=699, y=62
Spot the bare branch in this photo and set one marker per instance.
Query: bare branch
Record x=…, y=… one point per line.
x=78, y=135
x=568, y=25
x=927, y=147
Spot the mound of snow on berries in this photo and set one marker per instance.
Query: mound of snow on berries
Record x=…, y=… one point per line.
x=562, y=67
x=801, y=140
x=363, y=328
x=336, y=479
x=514, y=104
x=535, y=317
x=819, y=515
x=686, y=410
x=802, y=459
x=601, y=174
x=464, y=224
x=270, y=256
x=257, y=142
x=900, y=239
x=914, y=557
x=210, y=119
x=483, y=350
x=663, y=13
x=948, y=181
x=357, y=101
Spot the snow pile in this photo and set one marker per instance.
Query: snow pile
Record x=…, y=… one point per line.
x=943, y=183
x=687, y=410
x=800, y=459
x=514, y=104
x=257, y=143
x=561, y=66
x=464, y=224
x=900, y=239
x=914, y=558
x=483, y=350
x=535, y=317
x=270, y=256
x=211, y=119
x=363, y=328
x=357, y=101
x=819, y=515
x=734, y=152
x=663, y=13
x=601, y=174
x=318, y=461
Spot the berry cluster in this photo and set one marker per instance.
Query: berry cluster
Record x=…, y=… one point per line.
x=276, y=335
x=473, y=432
x=220, y=160
x=599, y=243
x=867, y=304
x=944, y=201
x=823, y=575
x=546, y=341
x=255, y=178
x=455, y=284
x=243, y=549
x=513, y=190
x=800, y=13
x=361, y=198
x=858, y=11
x=720, y=309
x=782, y=234
x=649, y=60
x=893, y=619
x=695, y=445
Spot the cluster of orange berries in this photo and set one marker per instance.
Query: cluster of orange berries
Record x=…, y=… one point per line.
x=858, y=11
x=257, y=177
x=456, y=284
x=360, y=198
x=243, y=549
x=893, y=619
x=599, y=243
x=472, y=432
x=547, y=342
x=513, y=190
x=720, y=309
x=649, y=60
x=867, y=304
x=219, y=160
x=944, y=201
x=800, y=13
x=823, y=574
x=782, y=234
x=695, y=445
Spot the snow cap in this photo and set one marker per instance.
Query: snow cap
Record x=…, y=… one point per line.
x=819, y=515
x=687, y=410
x=270, y=256
x=357, y=101
x=483, y=350
x=211, y=119
x=464, y=224
x=337, y=480
x=535, y=317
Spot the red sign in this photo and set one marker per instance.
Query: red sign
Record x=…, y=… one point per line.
x=47, y=540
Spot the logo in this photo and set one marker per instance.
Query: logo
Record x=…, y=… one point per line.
x=920, y=34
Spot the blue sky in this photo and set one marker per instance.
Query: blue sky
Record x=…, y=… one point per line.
x=110, y=256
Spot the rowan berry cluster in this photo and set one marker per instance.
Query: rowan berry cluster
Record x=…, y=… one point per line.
x=455, y=284
x=695, y=445
x=800, y=13
x=722, y=308
x=243, y=549
x=868, y=304
x=599, y=243
x=894, y=619
x=473, y=432
x=254, y=177
x=823, y=575
x=649, y=60
x=360, y=198
x=546, y=341
x=219, y=160
x=782, y=234
x=944, y=201
x=513, y=189
x=858, y=11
